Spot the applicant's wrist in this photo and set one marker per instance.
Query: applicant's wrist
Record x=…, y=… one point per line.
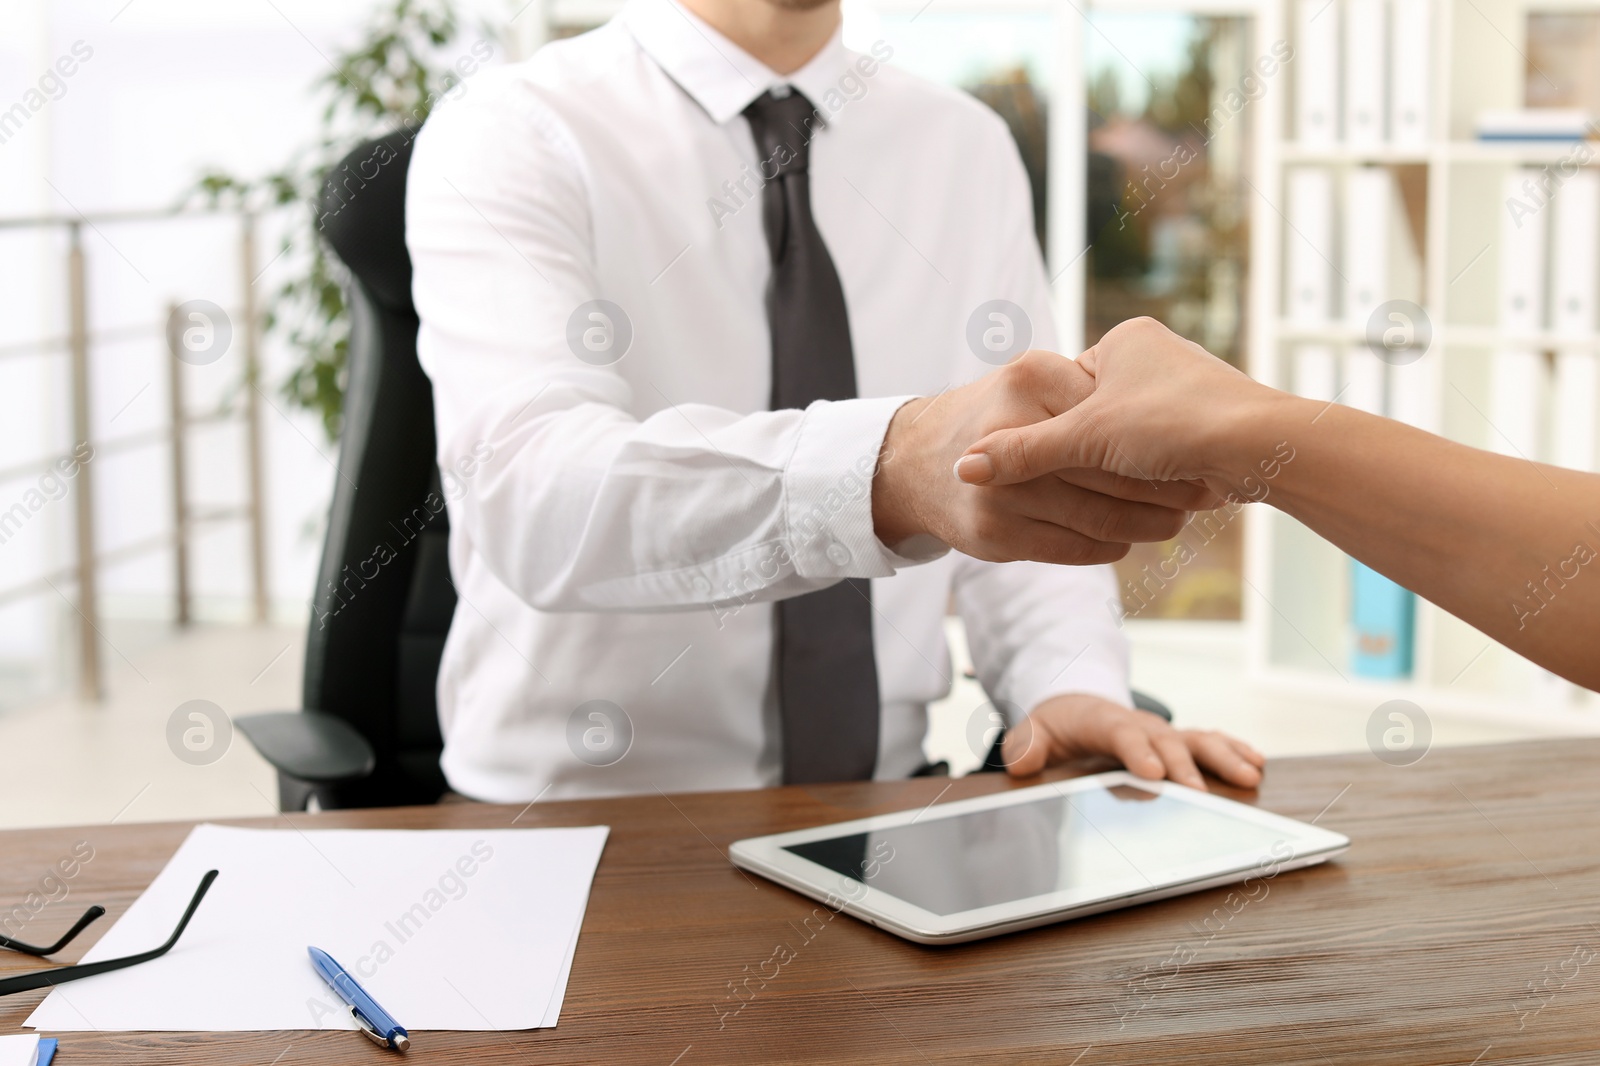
x=1251, y=432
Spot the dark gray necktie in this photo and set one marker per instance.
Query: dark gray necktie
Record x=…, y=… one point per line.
x=827, y=675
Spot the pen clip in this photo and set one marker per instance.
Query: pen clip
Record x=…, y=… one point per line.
x=400, y=1041
x=369, y=1030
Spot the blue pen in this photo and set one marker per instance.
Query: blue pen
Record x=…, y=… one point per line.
x=373, y=1019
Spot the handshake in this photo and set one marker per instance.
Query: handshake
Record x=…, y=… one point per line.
x=1071, y=461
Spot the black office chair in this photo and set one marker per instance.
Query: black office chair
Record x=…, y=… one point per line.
x=369, y=732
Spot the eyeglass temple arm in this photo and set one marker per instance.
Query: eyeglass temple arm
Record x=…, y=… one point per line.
x=66, y=938
x=62, y=974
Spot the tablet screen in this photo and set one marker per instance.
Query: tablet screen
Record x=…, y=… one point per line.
x=1062, y=842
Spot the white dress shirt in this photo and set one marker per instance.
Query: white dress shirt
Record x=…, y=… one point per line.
x=621, y=526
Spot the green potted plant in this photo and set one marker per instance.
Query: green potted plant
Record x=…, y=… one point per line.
x=393, y=76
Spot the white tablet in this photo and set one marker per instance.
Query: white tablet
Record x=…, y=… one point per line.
x=995, y=864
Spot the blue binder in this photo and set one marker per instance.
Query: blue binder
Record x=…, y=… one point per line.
x=1383, y=616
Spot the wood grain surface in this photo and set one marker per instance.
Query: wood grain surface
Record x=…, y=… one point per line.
x=1462, y=927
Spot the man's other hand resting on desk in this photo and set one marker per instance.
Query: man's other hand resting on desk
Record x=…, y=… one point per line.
x=1077, y=726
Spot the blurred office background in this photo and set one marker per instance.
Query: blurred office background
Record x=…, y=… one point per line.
x=1265, y=176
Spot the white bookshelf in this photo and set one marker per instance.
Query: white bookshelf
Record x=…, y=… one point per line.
x=1296, y=598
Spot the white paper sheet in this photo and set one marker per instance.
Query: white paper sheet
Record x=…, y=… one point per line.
x=19, y=1050
x=468, y=929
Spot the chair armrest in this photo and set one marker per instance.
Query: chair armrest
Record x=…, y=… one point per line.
x=1151, y=704
x=309, y=745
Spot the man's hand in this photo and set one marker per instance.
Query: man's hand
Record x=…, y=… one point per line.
x=1163, y=409
x=1075, y=726
x=1081, y=517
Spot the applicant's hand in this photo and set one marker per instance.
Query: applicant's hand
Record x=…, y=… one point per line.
x=1163, y=410
x=1080, y=517
x=1079, y=725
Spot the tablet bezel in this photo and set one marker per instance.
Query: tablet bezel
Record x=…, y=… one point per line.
x=1306, y=845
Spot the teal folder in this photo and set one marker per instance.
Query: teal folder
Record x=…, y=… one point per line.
x=1383, y=616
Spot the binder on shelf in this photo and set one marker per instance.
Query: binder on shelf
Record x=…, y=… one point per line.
x=1522, y=256
x=1365, y=57
x=1413, y=394
x=1309, y=279
x=1574, y=294
x=1414, y=391
x=1316, y=72
x=1576, y=397
x=1516, y=388
x=1383, y=618
x=1575, y=263
x=1382, y=262
x=1316, y=372
x=1533, y=124
x=1368, y=193
x=1517, y=371
x=1364, y=380
x=1309, y=254
x=1410, y=41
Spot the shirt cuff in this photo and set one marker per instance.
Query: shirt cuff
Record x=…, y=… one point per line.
x=1030, y=683
x=828, y=494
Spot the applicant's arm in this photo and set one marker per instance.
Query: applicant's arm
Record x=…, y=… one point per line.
x=1508, y=545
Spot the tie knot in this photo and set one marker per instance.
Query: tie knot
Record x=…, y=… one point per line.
x=783, y=127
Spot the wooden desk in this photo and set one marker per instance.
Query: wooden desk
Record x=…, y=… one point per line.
x=1472, y=879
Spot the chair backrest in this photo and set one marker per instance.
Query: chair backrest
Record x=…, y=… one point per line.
x=384, y=598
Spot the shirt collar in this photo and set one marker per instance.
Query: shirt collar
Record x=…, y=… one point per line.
x=719, y=75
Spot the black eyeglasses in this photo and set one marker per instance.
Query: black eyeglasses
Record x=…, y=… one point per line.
x=62, y=974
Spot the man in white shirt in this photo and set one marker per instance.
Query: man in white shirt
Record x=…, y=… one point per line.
x=686, y=286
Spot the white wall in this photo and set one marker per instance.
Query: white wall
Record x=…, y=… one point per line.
x=168, y=89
